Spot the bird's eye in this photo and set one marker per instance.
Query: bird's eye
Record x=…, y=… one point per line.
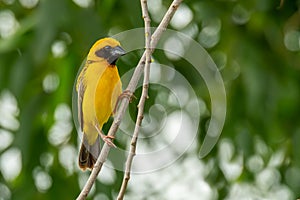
x=107, y=47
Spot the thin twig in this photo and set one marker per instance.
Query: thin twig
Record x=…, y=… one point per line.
x=142, y=101
x=125, y=101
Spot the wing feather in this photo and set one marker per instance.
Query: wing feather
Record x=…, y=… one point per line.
x=80, y=87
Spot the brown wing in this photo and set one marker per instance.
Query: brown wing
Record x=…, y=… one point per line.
x=80, y=87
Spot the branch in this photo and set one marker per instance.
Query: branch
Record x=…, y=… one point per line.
x=125, y=101
x=142, y=101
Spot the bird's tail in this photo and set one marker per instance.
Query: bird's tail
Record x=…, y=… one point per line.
x=88, y=154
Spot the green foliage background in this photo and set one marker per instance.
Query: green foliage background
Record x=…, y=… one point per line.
x=261, y=72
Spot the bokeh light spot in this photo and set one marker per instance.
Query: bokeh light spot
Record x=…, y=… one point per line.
x=210, y=33
x=60, y=131
x=6, y=139
x=9, y=111
x=42, y=180
x=29, y=3
x=8, y=23
x=50, y=82
x=59, y=49
x=11, y=164
x=174, y=43
x=5, y=192
x=255, y=163
x=182, y=17
x=107, y=175
x=46, y=160
x=267, y=178
x=156, y=10
x=83, y=3
x=292, y=40
x=67, y=158
x=240, y=15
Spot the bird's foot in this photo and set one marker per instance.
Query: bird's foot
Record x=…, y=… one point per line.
x=125, y=94
x=108, y=140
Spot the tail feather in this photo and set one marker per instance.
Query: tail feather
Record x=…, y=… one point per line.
x=88, y=154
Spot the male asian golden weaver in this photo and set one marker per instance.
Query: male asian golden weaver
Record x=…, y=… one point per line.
x=98, y=87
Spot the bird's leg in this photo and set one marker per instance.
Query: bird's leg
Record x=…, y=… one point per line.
x=106, y=138
x=125, y=94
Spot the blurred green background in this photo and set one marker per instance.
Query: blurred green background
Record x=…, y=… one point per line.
x=256, y=46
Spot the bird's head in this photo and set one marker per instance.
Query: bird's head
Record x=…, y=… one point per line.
x=107, y=49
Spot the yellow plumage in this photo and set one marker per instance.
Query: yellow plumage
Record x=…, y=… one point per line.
x=98, y=88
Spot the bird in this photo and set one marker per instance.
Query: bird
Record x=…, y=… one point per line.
x=98, y=88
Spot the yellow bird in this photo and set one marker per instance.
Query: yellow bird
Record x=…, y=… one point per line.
x=98, y=88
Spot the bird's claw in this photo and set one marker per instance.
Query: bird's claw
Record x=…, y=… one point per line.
x=125, y=94
x=108, y=140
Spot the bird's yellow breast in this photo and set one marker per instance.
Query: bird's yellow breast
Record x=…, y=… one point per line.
x=107, y=92
x=103, y=87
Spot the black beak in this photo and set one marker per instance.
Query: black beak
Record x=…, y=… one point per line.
x=115, y=53
x=118, y=51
